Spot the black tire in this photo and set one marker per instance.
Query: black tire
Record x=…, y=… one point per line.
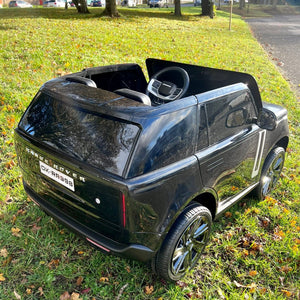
x=184, y=243
x=270, y=173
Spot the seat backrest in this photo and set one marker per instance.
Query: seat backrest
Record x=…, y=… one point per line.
x=82, y=80
x=134, y=95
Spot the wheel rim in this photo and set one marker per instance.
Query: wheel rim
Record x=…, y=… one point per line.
x=190, y=245
x=272, y=174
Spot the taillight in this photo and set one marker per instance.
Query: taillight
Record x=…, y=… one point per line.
x=123, y=204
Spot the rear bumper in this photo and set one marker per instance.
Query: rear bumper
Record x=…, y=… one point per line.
x=133, y=251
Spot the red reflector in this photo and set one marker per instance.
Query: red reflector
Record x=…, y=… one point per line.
x=123, y=210
x=98, y=245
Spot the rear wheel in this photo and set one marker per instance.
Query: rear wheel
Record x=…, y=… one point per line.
x=184, y=244
x=270, y=173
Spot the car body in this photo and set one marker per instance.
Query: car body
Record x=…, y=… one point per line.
x=19, y=3
x=158, y=3
x=129, y=3
x=96, y=3
x=141, y=169
x=55, y=3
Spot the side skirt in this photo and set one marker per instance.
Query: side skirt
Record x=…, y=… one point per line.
x=224, y=205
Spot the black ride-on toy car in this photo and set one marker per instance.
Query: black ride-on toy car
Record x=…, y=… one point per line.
x=141, y=169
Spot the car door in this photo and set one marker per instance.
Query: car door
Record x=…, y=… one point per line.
x=230, y=161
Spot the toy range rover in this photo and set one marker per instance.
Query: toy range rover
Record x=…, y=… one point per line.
x=141, y=169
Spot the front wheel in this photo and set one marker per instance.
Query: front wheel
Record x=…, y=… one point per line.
x=184, y=243
x=270, y=173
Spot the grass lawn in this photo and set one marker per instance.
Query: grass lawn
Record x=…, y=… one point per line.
x=254, y=249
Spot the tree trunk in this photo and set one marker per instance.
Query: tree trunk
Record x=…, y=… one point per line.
x=207, y=8
x=242, y=4
x=111, y=9
x=177, y=8
x=81, y=6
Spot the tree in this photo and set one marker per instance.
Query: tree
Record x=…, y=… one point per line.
x=177, y=8
x=111, y=9
x=207, y=8
x=242, y=4
x=274, y=3
x=81, y=6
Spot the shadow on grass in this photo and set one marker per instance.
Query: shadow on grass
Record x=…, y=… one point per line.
x=59, y=13
x=188, y=13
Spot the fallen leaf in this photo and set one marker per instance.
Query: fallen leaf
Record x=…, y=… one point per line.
x=253, y=273
x=40, y=289
x=7, y=261
x=18, y=297
x=281, y=280
x=238, y=284
x=103, y=279
x=65, y=296
x=9, y=165
x=228, y=214
x=262, y=290
x=285, y=269
x=85, y=291
x=79, y=280
x=3, y=252
x=21, y=212
x=28, y=291
x=75, y=296
x=35, y=228
x=286, y=293
x=148, y=289
x=181, y=284
x=53, y=263
x=128, y=269
x=16, y=232
x=2, y=278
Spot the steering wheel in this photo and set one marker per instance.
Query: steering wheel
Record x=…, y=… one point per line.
x=165, y=90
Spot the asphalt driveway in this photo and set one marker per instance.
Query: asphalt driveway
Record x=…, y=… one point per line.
x=280, y=36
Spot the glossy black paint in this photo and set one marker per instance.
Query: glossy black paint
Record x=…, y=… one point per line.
x=121, y=172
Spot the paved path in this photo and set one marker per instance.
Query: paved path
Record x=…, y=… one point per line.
x=280, y=36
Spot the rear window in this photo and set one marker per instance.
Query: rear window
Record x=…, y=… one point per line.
x=90, y=137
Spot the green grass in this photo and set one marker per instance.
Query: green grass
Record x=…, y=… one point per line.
x=254, y=249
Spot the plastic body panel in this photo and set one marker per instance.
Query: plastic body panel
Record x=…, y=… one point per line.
x=171, y=155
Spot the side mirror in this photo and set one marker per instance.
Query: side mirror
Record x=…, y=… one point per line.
x=267, y=119
x=237, y=118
